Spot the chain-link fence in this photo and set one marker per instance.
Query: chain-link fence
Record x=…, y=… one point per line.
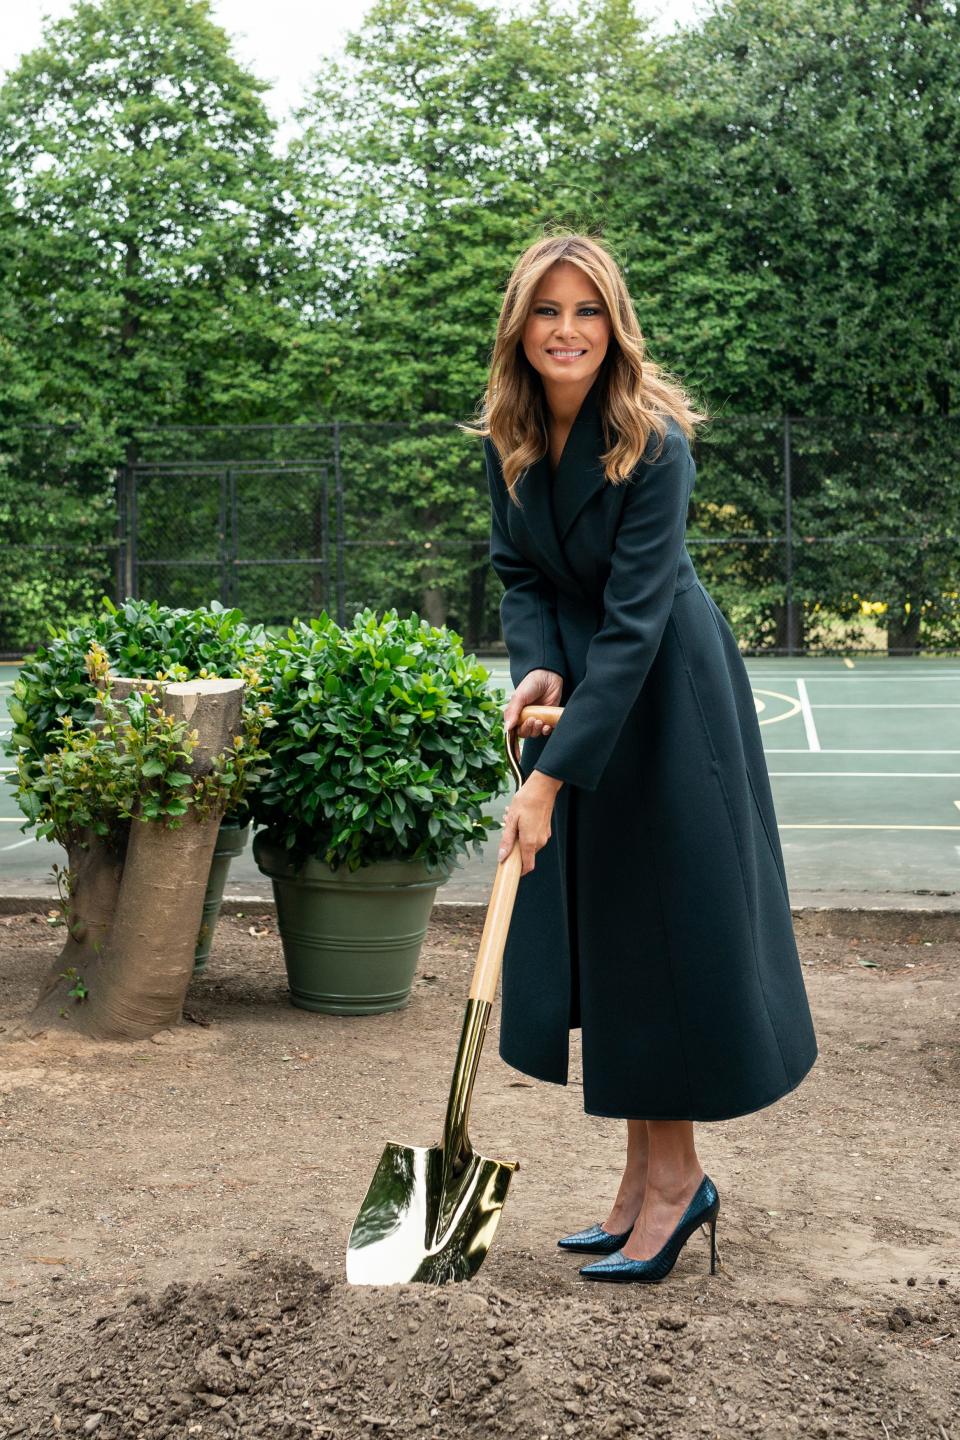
x=813, y=535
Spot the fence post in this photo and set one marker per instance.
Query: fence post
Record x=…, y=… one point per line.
x=133, y=536
x=788, y=538
x=234, y=549
x=222, y=522
x=325, y=535
x=338, y=494
x=120, y=590
x=126, y=568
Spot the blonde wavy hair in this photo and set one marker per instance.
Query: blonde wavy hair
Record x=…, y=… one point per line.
x=636, y=396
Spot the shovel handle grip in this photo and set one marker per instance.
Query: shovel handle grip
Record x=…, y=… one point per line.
x=486, y=972
x=546, y=714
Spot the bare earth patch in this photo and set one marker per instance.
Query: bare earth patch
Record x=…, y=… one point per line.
x=175, y=1216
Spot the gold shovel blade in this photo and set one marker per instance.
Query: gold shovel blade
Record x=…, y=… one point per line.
x=425, y=1219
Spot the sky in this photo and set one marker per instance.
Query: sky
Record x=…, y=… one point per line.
x=282, y=41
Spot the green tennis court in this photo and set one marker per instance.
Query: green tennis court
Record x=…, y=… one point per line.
x=864, y=760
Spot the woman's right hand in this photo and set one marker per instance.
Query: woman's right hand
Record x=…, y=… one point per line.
x=538, y=687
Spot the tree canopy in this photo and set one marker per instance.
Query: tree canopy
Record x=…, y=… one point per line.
x=778, y=182
x=144, y=225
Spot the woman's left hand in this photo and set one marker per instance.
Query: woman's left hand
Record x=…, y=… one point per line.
x=528, y=817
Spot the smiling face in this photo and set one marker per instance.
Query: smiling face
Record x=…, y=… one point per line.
x=567, y=331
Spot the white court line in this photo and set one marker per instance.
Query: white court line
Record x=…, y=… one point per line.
x=773, y=674
x=860, y=679
x=826, y=826
x=802, y=750
x=890, y=705
x=31, y=840
x=813, y=739
x=871, y=774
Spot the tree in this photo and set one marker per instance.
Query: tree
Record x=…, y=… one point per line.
x=144, y=224
x=796, y=235
x=796, y=249
x=441, y=146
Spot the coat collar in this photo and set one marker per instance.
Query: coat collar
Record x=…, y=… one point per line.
x=551, y=503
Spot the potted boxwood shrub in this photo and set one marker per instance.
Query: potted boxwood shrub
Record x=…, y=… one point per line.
x=384, y=749
x=141, y=639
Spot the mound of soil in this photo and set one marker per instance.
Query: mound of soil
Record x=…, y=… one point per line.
x=280, y=1350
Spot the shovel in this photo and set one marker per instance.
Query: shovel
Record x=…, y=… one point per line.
x=431, y=1214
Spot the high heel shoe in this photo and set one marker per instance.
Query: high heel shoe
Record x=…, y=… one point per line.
x=595, y=1241
x=703, y=1206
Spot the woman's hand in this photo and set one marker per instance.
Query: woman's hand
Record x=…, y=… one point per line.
x=528, y=815
x=538, y=687
x=527, y=818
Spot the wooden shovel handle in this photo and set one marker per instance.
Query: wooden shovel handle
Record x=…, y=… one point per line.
x=486, y=972
x=546, y=714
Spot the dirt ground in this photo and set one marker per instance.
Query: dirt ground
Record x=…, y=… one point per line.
x=175, y=1215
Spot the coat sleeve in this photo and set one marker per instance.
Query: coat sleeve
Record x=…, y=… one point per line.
x=637, y=601
x=528, y=609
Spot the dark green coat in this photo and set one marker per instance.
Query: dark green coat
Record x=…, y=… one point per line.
x=657, y=916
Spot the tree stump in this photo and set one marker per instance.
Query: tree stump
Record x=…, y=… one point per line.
x=148, y=958
x=138, y=979
x=94, y=870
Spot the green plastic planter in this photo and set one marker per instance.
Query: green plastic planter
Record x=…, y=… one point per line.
x=230, y=842
x=351, y=940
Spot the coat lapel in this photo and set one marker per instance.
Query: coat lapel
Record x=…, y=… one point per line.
x=551, y=504
x=580, y=474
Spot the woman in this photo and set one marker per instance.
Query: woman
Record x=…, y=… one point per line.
x=652, y=911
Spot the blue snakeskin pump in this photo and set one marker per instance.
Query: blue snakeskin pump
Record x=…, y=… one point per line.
x=703, y=1206
x=595, y=1241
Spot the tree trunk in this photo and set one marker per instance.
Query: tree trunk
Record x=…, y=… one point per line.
x=148, y=961
x=433, y=605
x=94, y=872
x=95, y=868
x=148, y=958
x=135, y=918
x=903, y=632
x=477, y=602
x=781, y=634
x=433, y=592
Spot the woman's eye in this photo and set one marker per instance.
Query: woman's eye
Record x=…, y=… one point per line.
x=584, y=310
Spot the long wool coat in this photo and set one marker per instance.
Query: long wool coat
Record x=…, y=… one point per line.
x=657, y=917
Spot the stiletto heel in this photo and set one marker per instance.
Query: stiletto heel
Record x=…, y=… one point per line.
x=704, y=1206
x=714, y=1252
